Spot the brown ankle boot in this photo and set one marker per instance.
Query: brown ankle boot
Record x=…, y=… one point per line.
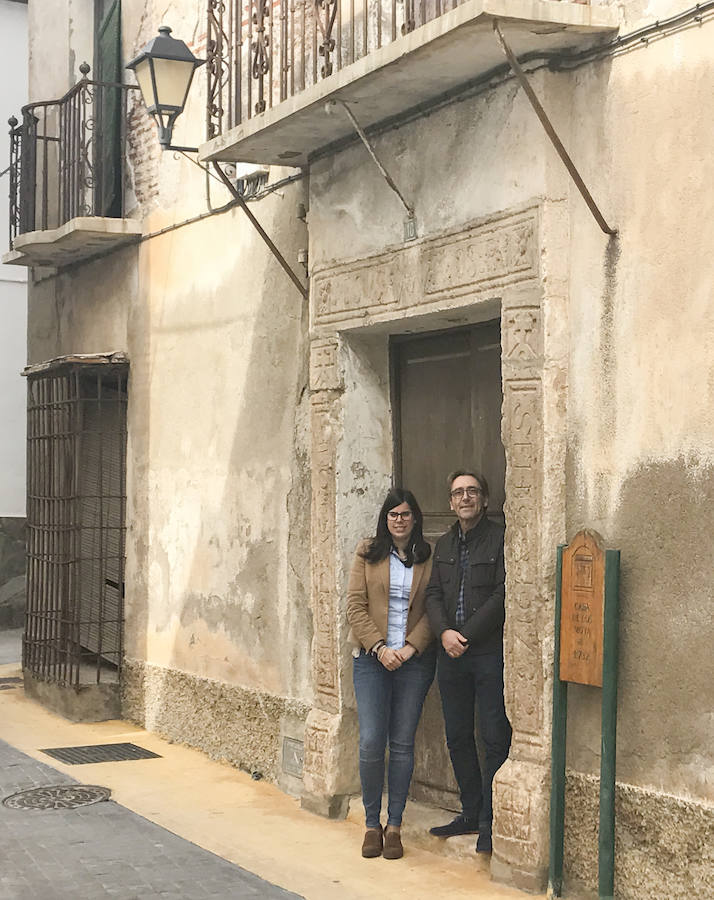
x=372, y=844
x=393, y=844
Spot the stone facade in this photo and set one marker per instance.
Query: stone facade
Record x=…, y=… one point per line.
x=653, y=830
x=247, y=728
x=261, y=444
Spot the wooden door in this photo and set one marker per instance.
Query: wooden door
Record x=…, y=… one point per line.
x=446, y=396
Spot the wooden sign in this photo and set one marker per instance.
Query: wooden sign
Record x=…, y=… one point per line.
x=581, y=613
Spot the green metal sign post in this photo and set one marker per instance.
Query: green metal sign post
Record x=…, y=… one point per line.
x=586, y=651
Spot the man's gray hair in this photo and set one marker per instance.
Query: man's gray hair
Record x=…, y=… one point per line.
x=457, y=473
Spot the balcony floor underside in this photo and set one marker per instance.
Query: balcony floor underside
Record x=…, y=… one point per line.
x=76, y=241
x=456, y=48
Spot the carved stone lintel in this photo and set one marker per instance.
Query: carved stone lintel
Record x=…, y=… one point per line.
x=440, y=271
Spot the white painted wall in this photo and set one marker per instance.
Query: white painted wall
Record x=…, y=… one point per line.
x=13, y=279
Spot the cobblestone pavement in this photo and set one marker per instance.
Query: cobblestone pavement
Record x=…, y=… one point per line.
x=103, y=850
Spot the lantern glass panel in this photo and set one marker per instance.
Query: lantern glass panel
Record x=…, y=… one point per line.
x=172, y=80
x=143, y=77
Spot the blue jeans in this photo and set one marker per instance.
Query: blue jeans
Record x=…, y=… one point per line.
x=389, y=706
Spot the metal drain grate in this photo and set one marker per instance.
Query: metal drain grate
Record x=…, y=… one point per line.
x=97, y=753
x=58, y=796
x=10, y=680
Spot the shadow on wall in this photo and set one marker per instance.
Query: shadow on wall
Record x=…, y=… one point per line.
x=12, y=572
x=664, y=813
x=222, y=567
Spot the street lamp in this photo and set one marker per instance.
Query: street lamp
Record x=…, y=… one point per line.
x=164, y=70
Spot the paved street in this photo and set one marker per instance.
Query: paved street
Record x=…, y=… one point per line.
x=103, y=850
x=186, y=827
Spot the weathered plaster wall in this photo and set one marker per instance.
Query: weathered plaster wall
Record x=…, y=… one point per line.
x=628, y=382
x=641, y=429
x=65, y=26
x=218, y=620
x=13, y=354
x=220, y=438
x=641, y=451
x=464, y=161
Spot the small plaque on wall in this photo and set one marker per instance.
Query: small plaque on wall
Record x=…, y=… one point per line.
x=581, y=614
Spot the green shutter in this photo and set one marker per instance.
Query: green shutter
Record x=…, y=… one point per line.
x=108, y=122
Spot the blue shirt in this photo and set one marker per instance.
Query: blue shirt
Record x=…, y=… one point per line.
x=400, y=586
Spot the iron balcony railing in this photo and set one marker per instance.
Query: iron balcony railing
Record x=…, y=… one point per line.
x=66, y=157
x=261, y=52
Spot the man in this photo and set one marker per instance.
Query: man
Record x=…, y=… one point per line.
x=465, y=605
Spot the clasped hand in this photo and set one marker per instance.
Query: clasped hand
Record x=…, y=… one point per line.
x=454, y=643
x=392, y=659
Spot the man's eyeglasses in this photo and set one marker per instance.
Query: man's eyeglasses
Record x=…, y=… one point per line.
x=458, y=493
x=404, y=516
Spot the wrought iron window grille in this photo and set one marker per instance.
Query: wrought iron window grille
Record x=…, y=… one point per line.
x=76, y=507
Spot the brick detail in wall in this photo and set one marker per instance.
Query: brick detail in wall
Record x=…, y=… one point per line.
x=143, y=153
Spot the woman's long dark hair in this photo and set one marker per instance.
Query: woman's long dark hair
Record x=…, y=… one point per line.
x=381, y=544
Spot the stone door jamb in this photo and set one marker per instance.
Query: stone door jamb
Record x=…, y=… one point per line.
x=519, y=258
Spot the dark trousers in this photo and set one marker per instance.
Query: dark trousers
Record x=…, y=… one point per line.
x=474, y=679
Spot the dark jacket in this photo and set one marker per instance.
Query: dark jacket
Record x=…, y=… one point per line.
x=484, y=586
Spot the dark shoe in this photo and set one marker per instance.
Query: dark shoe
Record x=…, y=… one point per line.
x=460, y=825
x=483, y=844
x=372, y=843
x=393, y=845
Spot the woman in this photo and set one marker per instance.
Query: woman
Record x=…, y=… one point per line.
x=394, y=660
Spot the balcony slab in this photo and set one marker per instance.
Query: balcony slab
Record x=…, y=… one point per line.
x=431, y=61
x=76, y=241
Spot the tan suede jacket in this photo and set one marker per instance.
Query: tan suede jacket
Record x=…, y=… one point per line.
x=368, y=603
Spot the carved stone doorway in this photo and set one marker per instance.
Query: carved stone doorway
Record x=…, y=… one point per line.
x=512, y=264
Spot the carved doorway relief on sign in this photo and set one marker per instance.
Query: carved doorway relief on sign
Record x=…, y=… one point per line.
x=581, y=616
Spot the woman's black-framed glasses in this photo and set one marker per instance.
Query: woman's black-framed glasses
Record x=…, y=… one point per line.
x=404, y=516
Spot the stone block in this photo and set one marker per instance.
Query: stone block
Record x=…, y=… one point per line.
x=521, y=801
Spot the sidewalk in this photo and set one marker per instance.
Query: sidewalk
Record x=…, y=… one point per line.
x=222, y=810
x=103, y=850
